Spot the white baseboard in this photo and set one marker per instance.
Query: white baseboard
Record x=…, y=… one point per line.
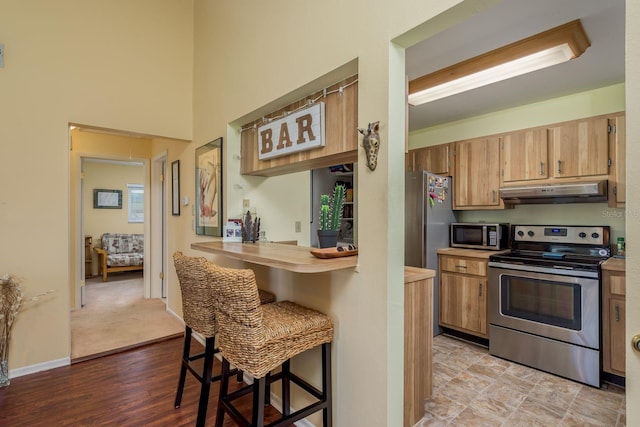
x=174, y=314
x=38, y=367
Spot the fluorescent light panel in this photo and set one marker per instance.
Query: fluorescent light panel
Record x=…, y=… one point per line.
x=546, y=49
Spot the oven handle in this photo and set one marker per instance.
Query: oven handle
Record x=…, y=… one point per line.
x=538, y=269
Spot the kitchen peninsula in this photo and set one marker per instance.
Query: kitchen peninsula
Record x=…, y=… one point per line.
x=418, y=291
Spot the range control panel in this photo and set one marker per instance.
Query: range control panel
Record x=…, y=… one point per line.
x=573, y=234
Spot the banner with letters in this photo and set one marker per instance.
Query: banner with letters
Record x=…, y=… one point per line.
x=299, y=131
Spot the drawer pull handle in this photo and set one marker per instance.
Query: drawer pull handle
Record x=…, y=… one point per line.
x=541, y=168
x=480, y=289
x=559, y=168
x=461, y=266
x=617, y=313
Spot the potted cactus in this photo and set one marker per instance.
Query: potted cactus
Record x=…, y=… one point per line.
x=330, y=216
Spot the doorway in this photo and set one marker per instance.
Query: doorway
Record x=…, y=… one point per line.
x=127, y=309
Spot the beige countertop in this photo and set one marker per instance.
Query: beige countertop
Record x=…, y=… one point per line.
x=288, y=257
x=469, y=253
x=614, y=264
x=414, y=274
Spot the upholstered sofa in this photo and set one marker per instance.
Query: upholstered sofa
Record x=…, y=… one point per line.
x=120, y=252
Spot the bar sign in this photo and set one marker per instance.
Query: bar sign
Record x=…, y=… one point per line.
x=299, y=131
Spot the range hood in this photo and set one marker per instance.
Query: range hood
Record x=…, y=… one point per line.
x=577, y=192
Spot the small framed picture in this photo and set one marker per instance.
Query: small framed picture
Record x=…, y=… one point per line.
x=175, y=188
x=107, y=199
x=232, y=231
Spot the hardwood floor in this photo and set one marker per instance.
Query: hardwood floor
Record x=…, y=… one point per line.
x=133, y=388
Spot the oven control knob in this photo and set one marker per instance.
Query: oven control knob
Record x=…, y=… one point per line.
x=595, y=235
x=520, y=233
x=530, y=233
x=582, y=234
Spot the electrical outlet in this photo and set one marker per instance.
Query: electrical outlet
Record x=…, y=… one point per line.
x=298, y=226
x=246, y=204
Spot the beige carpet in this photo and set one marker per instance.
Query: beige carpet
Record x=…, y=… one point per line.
x=117, y=317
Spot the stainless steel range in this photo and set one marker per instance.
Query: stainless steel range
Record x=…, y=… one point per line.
x=544, y=299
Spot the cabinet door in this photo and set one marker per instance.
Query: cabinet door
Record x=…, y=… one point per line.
x=617, y=150
x=580, y=148
x=613, y=321
x=434, y=159
x=617, y=341
x=463, y=303
x=477, y=173
x=524, y=155
x=408, y=161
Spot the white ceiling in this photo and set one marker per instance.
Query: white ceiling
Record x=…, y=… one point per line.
x=601, y=65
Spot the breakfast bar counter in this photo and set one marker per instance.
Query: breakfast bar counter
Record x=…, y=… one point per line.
x=287, y=257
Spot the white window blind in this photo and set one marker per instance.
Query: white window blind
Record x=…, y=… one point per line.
x=136, y=202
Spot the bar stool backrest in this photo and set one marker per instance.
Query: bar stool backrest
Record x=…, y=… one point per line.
x=239, y=313
x=197, y=291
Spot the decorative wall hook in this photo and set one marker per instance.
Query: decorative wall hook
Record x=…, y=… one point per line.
x=371, y=144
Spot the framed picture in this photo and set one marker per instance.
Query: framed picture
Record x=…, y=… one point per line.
x=107, y=199
x=175, y=188
x=209, y=189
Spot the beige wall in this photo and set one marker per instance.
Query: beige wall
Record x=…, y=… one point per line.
x=114, y=64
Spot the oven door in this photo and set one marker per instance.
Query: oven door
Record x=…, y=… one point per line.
x=549, y=302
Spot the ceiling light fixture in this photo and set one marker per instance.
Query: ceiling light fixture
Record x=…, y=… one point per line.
x=542, y=50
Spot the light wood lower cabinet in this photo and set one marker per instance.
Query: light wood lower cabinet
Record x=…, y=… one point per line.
x=463, y=295
x=418, y=342
x=613, y=320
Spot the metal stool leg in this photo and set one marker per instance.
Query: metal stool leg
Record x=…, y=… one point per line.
x=183, y=365
x=224, y=390
x=257, y=417
x=327, y=394
x=286, y=388
x=206, y=381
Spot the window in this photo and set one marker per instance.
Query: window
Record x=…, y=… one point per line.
x=136, y=202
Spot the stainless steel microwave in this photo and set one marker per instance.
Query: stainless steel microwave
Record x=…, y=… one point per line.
x=479, y=235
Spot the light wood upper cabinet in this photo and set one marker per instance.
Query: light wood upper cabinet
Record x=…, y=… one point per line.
x=524, y=155
x=477, y=174
x=434, y=159
x=617, y=153
x=579, y=148
x=408, y=161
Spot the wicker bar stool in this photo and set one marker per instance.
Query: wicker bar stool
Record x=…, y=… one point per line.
x=199, y=316
x=259, y=338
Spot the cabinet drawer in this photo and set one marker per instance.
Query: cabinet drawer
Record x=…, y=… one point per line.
x=463, y=265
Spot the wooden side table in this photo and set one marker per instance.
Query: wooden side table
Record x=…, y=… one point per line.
x=88, y=257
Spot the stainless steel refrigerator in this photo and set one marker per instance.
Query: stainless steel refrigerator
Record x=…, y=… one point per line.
x=427, y=215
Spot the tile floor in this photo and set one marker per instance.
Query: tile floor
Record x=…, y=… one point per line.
x=472, y=388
